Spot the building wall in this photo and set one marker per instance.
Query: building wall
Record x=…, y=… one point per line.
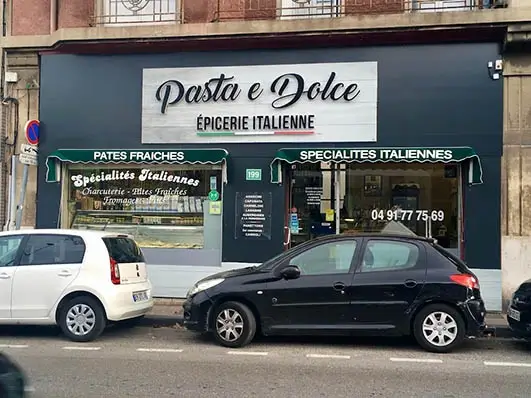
x=516, y=174
x=26, y=92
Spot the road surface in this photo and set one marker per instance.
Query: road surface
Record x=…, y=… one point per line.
x=167, y=362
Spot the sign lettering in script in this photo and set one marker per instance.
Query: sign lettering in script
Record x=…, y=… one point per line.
x=323, y=102
x=253, y=215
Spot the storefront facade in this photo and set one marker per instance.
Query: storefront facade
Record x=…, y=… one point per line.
x=219, y=160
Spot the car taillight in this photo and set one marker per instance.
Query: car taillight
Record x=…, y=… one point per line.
x=115, y=272
x=465, y=280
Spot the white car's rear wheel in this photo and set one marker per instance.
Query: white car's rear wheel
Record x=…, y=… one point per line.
x=82, y=319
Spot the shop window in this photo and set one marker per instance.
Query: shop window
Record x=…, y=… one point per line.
x=328, y=258
x=383, y=255
x=161, y=206
x=421, y=199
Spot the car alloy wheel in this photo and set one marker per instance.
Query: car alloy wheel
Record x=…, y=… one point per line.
x=233, y=324
x=440, y=329
x=80, y=319
x=229, y=325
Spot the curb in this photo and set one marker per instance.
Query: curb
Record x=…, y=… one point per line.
x=161, y=321
x=500, y=332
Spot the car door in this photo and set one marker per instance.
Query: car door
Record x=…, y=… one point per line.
x=320, y=298
x=9, y=250
x=48, y=265
x=388, y=279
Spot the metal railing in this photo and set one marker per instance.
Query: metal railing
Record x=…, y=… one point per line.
x=127, y=12
x=131, y=12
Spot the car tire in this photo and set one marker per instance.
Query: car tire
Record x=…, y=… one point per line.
x=439, y=328
x=234, y=324
x=86, y=329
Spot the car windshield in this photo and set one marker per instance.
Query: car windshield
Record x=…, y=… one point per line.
x=269, y=263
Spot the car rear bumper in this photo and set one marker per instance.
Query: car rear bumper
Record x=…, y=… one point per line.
x=196, y=311
x=121, y=306
x=474, y=312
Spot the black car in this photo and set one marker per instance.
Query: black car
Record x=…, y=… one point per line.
x=519, y=311
x=344, y=285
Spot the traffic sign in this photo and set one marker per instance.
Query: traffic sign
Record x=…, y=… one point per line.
x=32, y=131
x=28, y=159
x=213, y=196
x=29, y=149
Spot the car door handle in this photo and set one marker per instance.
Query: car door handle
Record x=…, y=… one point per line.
x=3, y=275
x=410, y=283
x=65, y=273
x=340, y=287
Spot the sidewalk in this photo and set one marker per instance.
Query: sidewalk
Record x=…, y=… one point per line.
x=169, y=313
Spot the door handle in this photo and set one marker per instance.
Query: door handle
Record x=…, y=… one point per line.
x=340, y=287
x=3, y=275
x=65, y=273
x=410, y=283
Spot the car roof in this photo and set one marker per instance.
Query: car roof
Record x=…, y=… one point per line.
x=62, y=231
x=374, y=235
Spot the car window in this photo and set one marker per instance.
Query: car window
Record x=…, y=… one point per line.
x=383, y=255
x=328, y=258
x=124, y=250
x=8, y=249
x=53, y=249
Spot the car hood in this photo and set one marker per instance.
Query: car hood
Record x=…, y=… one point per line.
x=230, y=274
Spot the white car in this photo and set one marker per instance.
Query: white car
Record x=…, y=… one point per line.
x=78, y=279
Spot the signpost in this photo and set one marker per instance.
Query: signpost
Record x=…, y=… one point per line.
x=28, y=157
x=213, y=196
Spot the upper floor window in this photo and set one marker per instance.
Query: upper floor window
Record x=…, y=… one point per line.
x=132, y=12
x=298, y=9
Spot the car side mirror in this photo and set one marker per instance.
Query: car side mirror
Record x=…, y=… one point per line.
x=290, y=272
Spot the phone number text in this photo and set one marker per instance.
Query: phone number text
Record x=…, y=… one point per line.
x=407, y=215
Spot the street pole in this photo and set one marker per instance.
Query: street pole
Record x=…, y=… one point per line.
x=20, y=206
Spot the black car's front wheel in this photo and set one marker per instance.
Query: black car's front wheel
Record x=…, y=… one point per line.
x=439, y=328
x=234, y=324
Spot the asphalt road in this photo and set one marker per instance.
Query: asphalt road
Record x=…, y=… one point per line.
x=166, y=362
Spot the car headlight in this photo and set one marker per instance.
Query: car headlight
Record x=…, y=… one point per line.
x=199, y=287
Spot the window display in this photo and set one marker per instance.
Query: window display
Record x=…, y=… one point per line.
x=162, y=206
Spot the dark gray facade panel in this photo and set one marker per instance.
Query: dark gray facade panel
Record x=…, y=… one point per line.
x=428, y=95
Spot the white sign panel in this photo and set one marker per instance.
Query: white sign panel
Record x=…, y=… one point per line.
x=332, y=102
x=28, y=159
x=29, y=149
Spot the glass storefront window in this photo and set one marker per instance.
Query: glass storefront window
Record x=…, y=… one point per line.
x=164, y=206
x=424, y=198
x=409, y=198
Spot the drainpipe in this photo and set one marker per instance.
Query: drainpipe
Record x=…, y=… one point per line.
x=53, y=16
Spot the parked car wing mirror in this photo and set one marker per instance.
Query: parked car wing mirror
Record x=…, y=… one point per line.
x=290, y=272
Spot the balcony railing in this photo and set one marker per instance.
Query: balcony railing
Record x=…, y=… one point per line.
x=132, y=12
x=128, y=12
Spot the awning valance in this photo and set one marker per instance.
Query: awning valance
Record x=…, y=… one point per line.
x=142, y=156
x=379, y=155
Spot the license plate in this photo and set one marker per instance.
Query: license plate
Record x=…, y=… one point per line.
x=511, y=313
x=140, y=296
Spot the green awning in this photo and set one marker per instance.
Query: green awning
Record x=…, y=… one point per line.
x=379, y=155
x=139, y=156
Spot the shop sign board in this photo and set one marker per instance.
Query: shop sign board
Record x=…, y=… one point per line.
x=316, y=102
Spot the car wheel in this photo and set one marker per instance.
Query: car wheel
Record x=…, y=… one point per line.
x=234, y=324
x=82, y=319
x=439, y=328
